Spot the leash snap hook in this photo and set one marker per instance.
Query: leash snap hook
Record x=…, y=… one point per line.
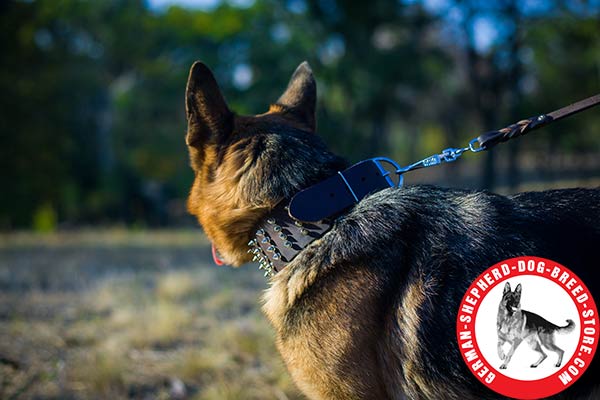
x=475, y=147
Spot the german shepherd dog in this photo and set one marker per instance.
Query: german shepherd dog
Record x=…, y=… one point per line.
x=515, y=325
x=368, y=311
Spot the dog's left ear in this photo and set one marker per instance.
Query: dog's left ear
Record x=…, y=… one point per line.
x=300, y=98
x=208, y=116
x=518, y=290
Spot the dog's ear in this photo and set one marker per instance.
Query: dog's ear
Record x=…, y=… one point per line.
x=207, y=113
x=518, y=292
x=506, y=288
x=300, y=98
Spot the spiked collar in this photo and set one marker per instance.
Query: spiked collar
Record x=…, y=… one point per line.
x=280, y=238
x=293, y=225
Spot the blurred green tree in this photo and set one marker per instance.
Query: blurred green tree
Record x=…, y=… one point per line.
x=92, y=118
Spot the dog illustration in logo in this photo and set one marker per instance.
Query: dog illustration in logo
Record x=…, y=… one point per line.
x=515, y=325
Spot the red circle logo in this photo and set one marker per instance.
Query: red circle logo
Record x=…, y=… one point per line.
x=527, y=327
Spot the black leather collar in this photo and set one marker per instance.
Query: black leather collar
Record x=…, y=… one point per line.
x=293, y=225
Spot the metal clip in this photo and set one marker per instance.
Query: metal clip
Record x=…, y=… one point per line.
x=451, y=154
x=475, y=147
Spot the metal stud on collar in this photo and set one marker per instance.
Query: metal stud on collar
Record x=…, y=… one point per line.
x=264, y=263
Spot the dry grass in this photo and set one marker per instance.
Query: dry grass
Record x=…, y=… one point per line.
x=143, y=317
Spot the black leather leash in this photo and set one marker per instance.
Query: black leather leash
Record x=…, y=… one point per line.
x=295, y=223
x=492, y=138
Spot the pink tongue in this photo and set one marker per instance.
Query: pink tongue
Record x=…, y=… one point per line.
x=215, y=255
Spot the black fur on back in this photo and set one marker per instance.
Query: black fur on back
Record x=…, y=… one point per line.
x=447, y=237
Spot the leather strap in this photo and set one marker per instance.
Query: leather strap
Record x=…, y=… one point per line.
x=490, y=139
x=338, y=192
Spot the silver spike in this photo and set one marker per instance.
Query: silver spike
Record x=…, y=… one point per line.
x=276, y=256
x=260, y=232
x=271, y=221
x=265, y=240
x=252, y=242
x=271, y=249
x=298, y=223
x=277, y=228
x=288, y=244
x=282, y=236
x=304, y=231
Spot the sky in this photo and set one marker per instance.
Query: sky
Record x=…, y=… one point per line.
x=198, y=4
x=486, y=31
x=202, y=4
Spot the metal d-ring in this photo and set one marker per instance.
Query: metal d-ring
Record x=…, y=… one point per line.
x=386, y=174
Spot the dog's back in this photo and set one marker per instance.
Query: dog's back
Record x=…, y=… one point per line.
x=393, y=271
x=538, y=324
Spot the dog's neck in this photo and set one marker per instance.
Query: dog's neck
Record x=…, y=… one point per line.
x=292, y=225
x=280, y=237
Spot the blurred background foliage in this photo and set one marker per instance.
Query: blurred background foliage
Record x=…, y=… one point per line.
x=92, y=128
x=92, y=115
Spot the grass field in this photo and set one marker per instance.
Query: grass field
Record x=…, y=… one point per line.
x=141, y=315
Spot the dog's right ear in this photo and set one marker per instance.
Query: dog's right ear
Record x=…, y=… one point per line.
x=506, y=288
x=300, y=97
x=207, y=113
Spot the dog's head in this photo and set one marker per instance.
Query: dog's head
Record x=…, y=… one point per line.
x=511, y=300
x=245, y=165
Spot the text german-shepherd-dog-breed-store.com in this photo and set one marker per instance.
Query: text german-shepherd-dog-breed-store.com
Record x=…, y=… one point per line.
x=366, y=305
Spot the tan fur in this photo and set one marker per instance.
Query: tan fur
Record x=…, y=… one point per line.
x=227, y=219
x=217, y=199
x=331, y=354
x=406, y=337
